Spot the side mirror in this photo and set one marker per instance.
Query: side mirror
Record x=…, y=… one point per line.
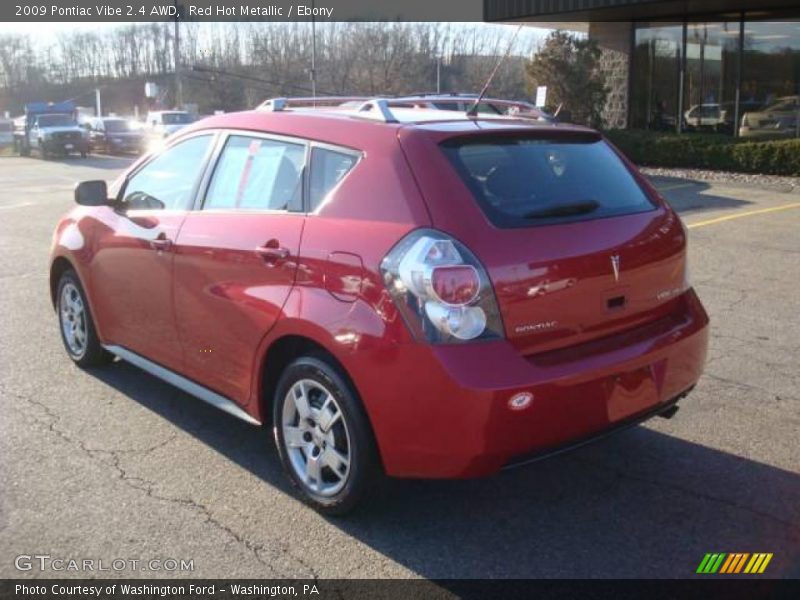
x=91, y=193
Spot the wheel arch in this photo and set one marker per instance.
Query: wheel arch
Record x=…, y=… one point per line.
x=58, y=267
x=280, y=354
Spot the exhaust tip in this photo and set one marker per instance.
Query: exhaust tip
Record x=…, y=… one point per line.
x=668, y=413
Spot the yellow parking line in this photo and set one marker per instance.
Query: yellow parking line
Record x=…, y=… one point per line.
x=749, y=213
x=675, y=186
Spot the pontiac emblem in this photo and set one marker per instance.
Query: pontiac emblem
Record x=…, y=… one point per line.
x=615, y=266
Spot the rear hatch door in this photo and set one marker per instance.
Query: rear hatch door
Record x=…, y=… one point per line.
x=576, y=245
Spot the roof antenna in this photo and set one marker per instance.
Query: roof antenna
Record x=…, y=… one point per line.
x=472, y=111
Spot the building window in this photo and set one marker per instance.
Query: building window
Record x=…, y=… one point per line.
x=770, y=93
x=656, y=72
x=712, y=63
x=732, y=83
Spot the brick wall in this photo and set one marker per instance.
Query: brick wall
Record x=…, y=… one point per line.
x=615, y=42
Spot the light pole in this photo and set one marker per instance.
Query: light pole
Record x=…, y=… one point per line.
x=177, y=57
x=313, y=73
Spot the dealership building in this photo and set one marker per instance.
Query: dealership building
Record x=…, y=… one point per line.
x=731, y=66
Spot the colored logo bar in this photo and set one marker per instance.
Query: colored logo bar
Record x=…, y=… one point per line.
x=734, y=563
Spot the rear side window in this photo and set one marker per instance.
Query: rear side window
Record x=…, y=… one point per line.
x=523, y=182
x=328, y=168
x=257, y=173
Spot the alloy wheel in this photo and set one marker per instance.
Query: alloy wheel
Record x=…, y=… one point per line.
x=72, y=312
x=316, y=438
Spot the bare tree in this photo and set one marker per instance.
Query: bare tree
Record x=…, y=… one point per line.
x=257, y=60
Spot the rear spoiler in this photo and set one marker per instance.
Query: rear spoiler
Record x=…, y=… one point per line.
x=554, y=132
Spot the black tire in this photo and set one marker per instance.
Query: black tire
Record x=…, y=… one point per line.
x=364, y=470
x=91, y=354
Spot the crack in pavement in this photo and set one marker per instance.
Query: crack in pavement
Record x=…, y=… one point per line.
x=793, y=533
x=747, y=386
x=147, y=486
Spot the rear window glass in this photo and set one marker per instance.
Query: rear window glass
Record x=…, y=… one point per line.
x=523, y=182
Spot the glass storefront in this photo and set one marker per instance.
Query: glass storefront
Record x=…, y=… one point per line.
x=657, y=65
x=712, y=61
x=718, y=76
x=771, y=79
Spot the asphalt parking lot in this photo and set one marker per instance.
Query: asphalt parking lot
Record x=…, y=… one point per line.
x=115, y=464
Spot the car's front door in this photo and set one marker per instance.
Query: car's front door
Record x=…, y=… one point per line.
x=236, y=259
x=131, y=276
x=33, y=136
x=97, y=135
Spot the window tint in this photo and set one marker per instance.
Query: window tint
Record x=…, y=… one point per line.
x=116, y=125
x=55, y=121
x=168, y=180
x=522, y=182
x=255, y=173
x=328, y=168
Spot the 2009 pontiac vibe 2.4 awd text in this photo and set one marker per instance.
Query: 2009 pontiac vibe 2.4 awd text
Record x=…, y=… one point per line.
x=397, y=290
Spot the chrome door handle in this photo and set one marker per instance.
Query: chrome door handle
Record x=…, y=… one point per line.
x=162, y=242
x=273, y=253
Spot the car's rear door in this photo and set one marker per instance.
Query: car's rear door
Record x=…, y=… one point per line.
x=236, y=258
x=131, y=275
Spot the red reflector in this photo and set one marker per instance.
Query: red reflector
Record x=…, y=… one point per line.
x=455, y=284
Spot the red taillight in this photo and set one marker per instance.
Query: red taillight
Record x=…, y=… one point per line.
x=441, y=289
x=457, y=284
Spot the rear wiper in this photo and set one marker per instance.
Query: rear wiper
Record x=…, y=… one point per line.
x=564, y=210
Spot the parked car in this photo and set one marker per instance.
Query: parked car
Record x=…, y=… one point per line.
x=114, y=135
x=487, y=106
x=411, y=292
x=452, y=102
x=6, y=133
x=162, y=123
x=703, y=116
x=715, y=117
x=778, y=119
x=50, y=129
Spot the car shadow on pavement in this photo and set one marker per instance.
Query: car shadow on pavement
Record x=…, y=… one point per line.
x=692, y=196
x=639, y=504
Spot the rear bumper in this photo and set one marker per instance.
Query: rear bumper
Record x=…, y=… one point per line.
x=666, y=409
x=443, y=411
x=127, y=146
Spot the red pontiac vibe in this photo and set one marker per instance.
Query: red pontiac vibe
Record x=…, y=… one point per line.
x=406, y=291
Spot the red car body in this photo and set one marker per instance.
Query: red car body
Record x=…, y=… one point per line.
x=188, y=290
